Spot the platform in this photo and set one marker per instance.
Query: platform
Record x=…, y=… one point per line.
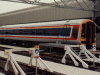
x=65, y=69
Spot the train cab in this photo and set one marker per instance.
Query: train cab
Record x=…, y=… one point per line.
x=88, y=34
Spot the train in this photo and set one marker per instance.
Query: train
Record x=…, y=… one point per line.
x=78, y=31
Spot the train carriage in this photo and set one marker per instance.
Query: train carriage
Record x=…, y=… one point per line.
x=80, y=31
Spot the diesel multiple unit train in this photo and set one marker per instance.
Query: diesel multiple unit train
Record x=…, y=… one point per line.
x=79, y=31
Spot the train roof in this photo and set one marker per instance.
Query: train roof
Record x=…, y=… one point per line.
x=71, y=22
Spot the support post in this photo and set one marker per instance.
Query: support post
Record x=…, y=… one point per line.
x=35, y=55
x=14, y=64
x=6, y=65
x=89, y=53
x=36, y=66
x=72, y=55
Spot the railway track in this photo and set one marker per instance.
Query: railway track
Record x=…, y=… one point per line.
x=27, y=69
x=4, y=72
x=56, y=57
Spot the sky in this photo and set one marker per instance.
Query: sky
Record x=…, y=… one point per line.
x=7, y=6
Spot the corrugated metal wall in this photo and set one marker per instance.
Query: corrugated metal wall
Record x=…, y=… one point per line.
x=41, y=13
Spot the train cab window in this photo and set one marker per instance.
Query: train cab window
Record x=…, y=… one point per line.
x=20, y=31
x=46, y=31
x=55, y=32
x=10, y=31
x=39, y=32
x=67, y=31
x=75, y=31
x=32, y=31
x=15, y=31
x=83, y=31
x=26, y=31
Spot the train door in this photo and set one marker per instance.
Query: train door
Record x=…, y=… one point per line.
x=66, y=34
x=90, y=35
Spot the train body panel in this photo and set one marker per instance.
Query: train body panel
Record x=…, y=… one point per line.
x=71, y=22
x=41, y=39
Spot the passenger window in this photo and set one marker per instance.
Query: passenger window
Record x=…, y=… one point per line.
x=20, y=31
x=6, y=31
x=39, y=32
x=75, y=31
x=10, y=31
x=55, y=32
x=15, y=31
x=67, y=31
x=26, y=31
x=0, y=31
x=32, y=31
x=46, y=31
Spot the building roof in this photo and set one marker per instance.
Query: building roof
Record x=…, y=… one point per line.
x=41, y=14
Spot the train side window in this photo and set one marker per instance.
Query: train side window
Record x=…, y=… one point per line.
x=67, y=31
x=55, y=32
x=75, y=31
x=39, y=32
x=26, y=31
x=46, y=31
x=6, y=31
x=32, y=31
x=20, y=31
x=83, y=31
x=0, y=31
x=10, y=31
x=15, y=31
